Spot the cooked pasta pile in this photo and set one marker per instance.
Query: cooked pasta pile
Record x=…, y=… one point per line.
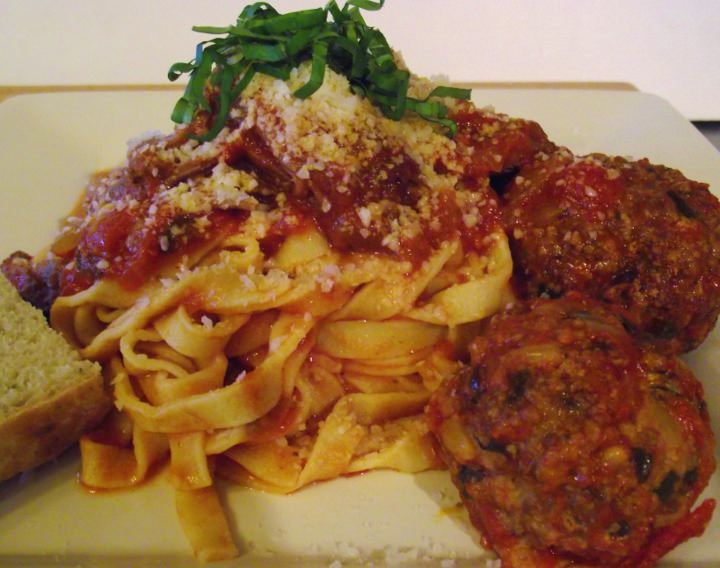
x=275, y=306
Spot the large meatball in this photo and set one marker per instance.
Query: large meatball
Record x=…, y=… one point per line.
x=570, y=443
x=641, y=237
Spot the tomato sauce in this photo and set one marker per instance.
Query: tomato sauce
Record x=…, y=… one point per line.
x=499, y=144
x=408, y=218
x=123, y=246
x=393, y=181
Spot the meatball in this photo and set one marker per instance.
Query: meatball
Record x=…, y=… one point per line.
x=638, y=236
x=570, y=443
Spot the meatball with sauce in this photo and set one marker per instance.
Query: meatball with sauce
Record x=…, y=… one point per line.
x=638, y=236
x=571, y=444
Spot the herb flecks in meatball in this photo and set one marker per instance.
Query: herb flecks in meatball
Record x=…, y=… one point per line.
x=638, y=236
x=571, y=443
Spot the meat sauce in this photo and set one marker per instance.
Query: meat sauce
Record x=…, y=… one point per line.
x=346, y=232
x=390, y=177
x=123, y=247
x=36, y=283
x=500, y=145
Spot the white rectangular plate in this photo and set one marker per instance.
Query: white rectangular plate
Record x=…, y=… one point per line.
x=49, y=144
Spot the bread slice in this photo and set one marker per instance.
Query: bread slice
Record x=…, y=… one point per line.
x=48, y=396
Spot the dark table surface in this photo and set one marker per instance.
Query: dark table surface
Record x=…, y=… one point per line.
x=711, y=130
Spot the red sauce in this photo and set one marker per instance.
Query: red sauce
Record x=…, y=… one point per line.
x=331, y=199
x=392, y=179
x=691, y=525
x=130, y=246
x=336, y=213
x=587, y=188
x=499, y=143
x=450, y=217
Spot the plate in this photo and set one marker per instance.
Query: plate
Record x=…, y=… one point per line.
x=49, y=144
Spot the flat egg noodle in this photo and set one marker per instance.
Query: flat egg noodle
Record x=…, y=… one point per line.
x=340, y=356
x=241, y=402
x=203, y=521
x=389, y=296
x=480, y=296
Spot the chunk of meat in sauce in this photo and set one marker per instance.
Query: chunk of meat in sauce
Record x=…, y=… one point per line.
x=38, y=283
x=251, y=153
x=572, y=444
x=124, y=237
x=500, y=146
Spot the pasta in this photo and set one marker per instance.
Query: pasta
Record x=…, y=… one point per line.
x=326, y=396
x=275, y=306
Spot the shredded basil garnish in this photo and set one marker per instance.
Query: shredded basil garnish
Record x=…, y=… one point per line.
x=265, y=41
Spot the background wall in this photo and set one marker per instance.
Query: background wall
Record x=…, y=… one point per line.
x=667, y=47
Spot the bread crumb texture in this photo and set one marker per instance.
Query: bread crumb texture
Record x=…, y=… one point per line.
x=35, y=361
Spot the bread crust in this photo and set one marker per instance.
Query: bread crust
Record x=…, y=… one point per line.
x=40, y=432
